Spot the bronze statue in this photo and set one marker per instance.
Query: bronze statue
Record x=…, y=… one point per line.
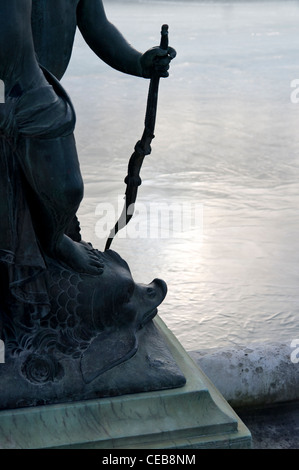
x=58, y=294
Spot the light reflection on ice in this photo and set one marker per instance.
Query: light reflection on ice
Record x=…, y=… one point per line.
x=227, y=138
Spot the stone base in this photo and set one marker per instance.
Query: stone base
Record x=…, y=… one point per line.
x=192, y=416
x=151, y=368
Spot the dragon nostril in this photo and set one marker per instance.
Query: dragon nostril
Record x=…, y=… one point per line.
x=151, y=292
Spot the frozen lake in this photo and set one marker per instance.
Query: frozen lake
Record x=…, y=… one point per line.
x=226, y=149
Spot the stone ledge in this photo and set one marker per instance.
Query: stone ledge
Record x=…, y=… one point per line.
x=254, y=375
x=194, y=416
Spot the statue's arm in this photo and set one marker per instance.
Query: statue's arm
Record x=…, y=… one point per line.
x=105, y=39
x=109, y=44
x=17, y=56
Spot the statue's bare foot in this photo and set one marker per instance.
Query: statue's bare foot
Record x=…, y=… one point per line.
x=80, y=257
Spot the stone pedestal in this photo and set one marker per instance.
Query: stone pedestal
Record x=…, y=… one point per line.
x=189, y=417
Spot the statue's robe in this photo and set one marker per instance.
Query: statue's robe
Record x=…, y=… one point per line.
x=28, y=122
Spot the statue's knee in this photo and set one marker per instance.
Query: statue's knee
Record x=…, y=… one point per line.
x=73, y=193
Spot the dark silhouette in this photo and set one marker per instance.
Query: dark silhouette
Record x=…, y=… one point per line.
x=59, y=297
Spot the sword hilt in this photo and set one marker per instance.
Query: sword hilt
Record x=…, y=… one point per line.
x=164, y=37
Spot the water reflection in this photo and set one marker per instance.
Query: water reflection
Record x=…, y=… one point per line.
x=226, y=138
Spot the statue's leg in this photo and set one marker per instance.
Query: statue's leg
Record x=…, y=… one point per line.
x=42, y=124
x=52, y=170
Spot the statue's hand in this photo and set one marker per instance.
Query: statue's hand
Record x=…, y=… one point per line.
x=156, y=60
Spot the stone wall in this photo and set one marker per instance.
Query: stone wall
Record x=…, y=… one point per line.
x=254, y=375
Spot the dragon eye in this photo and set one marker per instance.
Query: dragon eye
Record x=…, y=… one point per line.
x=127, y=293
x=130, y=291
